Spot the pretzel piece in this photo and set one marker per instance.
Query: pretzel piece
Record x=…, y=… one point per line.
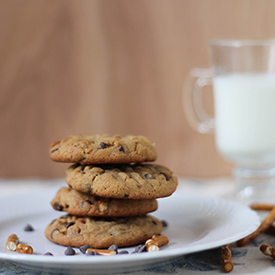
x=226, y=258
x=154, y=243
x=265, y=224
x=12, y=242
x=268, y=250
x=261, y=206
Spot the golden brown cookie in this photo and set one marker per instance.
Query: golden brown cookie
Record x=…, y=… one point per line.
x=81, y=204
x=102, y=232
x=98, y=149
x=132, y=181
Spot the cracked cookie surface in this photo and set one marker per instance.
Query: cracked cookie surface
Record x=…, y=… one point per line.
x=132, y=181
x=81, y=204
x=102, y=232
x=98, y=149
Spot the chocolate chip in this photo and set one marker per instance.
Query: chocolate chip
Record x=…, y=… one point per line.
x=165, y=175
x=48, y=254
x=53, y=150
x=83, y=248
x=28, y=228
x=140, y=248
x=123, y=252
x=103, y=145
x=113, y=247
x=57, y=206
x=53, y=232
x=154, y=222
x=69, y=224
x=121, y=149
x=69, y=251
x=164, y=223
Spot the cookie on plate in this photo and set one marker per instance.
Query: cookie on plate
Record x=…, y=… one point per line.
x=81, y=204
x=102, y=232
x=132, y=181
x=98, y=149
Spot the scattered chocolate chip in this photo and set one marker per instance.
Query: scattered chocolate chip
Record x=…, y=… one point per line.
x=28, y=228
x=113, y=247
x=103, y=145
x=48, y=254
x=123, y=252
x=164, y=223
x=83, y=248
x=140, y=248
x=69, y=251
x=57, y=206
x=154, y=222
x=53, y=150
x=92, y=253
x=69, y=224
x=165, y=175
x=121, y=149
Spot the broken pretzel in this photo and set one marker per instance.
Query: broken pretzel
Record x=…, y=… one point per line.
x=265, y=224
x=226, y=258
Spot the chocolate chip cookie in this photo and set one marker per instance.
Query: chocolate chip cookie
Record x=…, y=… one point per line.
x=102, y=232
x=98, y=149
x=81, y=204
x=132, y=181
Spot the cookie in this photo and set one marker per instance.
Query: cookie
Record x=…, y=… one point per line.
x=81, y=204
x=100, y=149
x=102, y=232
x=132, y=181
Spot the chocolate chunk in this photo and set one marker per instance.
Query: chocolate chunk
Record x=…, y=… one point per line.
x=28, y=228
x=69, y=251
x=140, y=248
x=83, y=248
x=123, y=252
x=53, y=232
x=121, y=149
x=55, y=149
x=57, y=206
x=164, y=223
x=113, y=247
x=103, y=145
x=48, y=254
x=165, y=175
x=69, y=224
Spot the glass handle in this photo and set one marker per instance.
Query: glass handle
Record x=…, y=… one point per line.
x=193, y=103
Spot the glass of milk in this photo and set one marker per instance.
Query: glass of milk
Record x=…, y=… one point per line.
x=243, y=81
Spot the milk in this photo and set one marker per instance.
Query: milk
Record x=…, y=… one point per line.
x=245, y=116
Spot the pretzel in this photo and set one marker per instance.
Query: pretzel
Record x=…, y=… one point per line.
x=12, y=242
x=154, y=243
x=268, y=220
x=271, y=229
x=261, y=206
x=22, y=248
x=101, y=251
x=268, y=250
x=226, y=258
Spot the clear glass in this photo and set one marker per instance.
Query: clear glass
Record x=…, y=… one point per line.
x=243, y=80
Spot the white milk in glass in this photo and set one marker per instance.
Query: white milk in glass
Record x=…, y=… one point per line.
x=245, y=116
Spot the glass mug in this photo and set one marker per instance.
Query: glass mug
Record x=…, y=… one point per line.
x=243, y=81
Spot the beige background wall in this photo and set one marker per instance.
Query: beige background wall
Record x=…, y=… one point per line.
x=113, y=66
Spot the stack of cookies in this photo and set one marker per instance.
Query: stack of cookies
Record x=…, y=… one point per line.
x=110, y=191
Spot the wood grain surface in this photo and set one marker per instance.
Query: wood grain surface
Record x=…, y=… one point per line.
x=117, y=67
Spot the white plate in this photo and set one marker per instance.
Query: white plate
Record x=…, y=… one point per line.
x=195, y=223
